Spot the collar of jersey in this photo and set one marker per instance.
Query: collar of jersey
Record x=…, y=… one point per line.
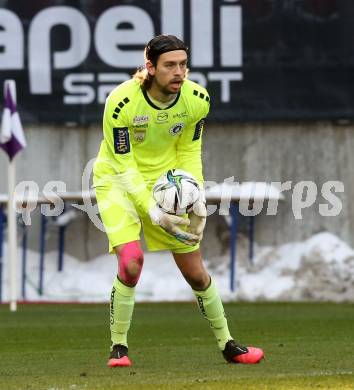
x=155, y=106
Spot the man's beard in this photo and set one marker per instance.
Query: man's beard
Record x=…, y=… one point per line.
x=165, y=89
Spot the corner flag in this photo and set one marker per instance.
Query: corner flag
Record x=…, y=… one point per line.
x=12, y=138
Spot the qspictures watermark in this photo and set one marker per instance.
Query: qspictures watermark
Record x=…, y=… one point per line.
x=252, y=197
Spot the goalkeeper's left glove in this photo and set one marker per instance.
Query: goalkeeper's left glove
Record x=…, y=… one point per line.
x=197, y=217
x=172, y=225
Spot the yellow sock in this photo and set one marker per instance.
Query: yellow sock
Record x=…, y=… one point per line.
x=211, y=307
x=121, y=311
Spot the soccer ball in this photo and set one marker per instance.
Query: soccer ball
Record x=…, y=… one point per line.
x=176, y=191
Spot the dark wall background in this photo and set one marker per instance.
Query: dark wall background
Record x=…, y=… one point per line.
x=297, y=58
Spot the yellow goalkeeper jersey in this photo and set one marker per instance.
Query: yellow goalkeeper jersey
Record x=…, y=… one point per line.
x=142, y=141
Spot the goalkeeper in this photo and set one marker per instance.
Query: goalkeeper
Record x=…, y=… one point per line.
x=152, y=123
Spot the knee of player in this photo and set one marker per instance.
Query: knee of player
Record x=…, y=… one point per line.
x=198, y=280
x=134, y=266
x=131, y=259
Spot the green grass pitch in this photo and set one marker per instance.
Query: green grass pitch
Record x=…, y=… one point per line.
x=307, y=346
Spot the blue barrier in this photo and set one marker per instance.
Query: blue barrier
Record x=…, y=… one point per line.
x=61, y=245
x=235, y=214
x=42, y=245
x=24, y=260
x=233, y=243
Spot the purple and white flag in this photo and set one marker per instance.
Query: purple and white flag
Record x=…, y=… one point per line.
x=12, y=138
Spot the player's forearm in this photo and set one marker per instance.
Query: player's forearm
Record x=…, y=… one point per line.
x=133, y=183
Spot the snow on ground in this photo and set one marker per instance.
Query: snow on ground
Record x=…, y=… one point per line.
x=320, y=268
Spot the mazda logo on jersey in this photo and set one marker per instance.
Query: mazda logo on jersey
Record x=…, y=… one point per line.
x=176, y=129
x=162, y=117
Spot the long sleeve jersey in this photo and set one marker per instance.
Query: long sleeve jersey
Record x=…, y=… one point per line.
x=142, y=141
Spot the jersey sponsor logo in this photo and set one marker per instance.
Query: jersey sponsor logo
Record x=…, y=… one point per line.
x=198, y=129
x=121, y=140
x=162, y=117
x=180, y=115
x=142, y=126
x=176, y=129
x=140, y=119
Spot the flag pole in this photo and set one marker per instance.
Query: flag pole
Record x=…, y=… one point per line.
x=12, y=234
x=12, y=140
x=11, y=215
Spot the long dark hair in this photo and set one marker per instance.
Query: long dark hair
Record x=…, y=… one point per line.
x=157, y=46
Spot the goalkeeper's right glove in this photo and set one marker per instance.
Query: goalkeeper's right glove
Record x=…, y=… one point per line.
x=197, y=216
x=170, y=223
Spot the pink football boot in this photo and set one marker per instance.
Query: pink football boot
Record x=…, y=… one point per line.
x=235, y=353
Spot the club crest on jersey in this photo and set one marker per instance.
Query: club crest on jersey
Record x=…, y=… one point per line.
x=176, y=129
x=121, y=140
x=162, y=117
x=139, y=135
x=140, y=119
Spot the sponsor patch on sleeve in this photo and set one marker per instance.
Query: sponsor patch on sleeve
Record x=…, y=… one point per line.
x=198, y=129
x=121, y=140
